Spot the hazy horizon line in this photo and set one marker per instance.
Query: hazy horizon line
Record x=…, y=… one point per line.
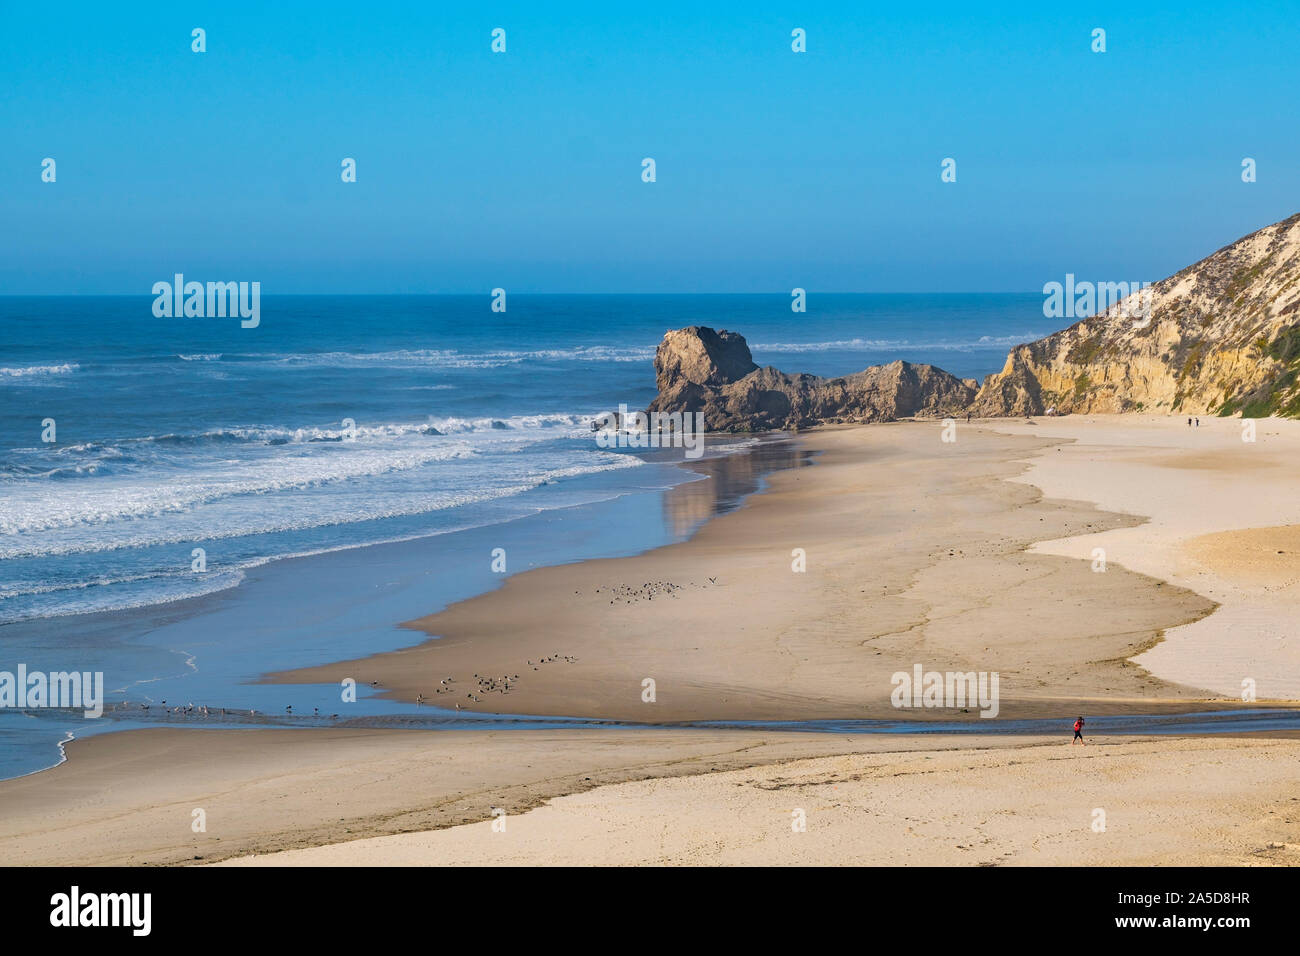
x=488, y=294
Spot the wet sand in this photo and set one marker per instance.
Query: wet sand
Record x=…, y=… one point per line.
x=914, y=553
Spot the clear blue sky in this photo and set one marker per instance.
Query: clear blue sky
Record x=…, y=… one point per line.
x=523, y=170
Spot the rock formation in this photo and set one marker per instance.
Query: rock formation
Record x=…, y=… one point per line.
x=1221, y=336
x=713, y=374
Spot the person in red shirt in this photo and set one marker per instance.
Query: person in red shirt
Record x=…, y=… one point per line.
x=1078, y=732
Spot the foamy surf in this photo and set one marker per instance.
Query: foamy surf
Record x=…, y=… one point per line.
x=30, y=371
x=341, y=422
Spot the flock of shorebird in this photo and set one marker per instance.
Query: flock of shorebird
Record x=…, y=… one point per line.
x=484, y=684
x=204, y=711
x=647, y=591
x=490, y=684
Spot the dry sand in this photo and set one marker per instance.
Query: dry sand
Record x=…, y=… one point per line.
x=130, y=797
x=285, y=797
x=1222, y=522
x=1160, y=802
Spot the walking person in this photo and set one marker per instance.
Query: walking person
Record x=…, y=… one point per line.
x=1078, y=732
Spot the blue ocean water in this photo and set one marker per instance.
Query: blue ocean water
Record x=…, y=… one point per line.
x=346, y=420
x=469, y=432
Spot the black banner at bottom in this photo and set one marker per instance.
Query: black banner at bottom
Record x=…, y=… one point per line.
x=220, y=906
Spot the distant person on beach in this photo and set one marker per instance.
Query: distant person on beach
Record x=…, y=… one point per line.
x=1198, y=423
x=1189, y=423
x=1078, y=732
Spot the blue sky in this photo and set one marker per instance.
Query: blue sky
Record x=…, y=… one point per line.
x=523, y=169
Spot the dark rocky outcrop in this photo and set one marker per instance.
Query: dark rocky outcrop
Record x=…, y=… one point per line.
x=712, y=373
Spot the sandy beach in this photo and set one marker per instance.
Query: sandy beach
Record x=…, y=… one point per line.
x=354, y=797
x=917, y=551
x=1137, y=803
x=973, y=555
x=1223, y=521
x=683, y=437
x=129, y=798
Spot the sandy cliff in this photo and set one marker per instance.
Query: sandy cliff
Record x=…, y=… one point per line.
x=1221, y=336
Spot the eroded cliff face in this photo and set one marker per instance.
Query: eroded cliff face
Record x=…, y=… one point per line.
x=1221, y=336
x=713, y=374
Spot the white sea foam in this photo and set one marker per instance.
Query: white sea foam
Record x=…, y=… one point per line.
x=454, y=358
x=81, y=531
x=159, y=590
x=168, y=587
x=557, y=425
x=730, y=448
x=33, y=507
x=565, y=425
x=290, y=479
x=881, y=345
x=28, y=371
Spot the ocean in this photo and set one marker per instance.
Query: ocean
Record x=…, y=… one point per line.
x=220, y=501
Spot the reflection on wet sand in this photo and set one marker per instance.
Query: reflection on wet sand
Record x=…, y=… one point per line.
x=729, y=480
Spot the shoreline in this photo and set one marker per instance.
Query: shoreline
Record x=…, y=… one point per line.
x=215, y=650
x=353, y=785
x=598, y=626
